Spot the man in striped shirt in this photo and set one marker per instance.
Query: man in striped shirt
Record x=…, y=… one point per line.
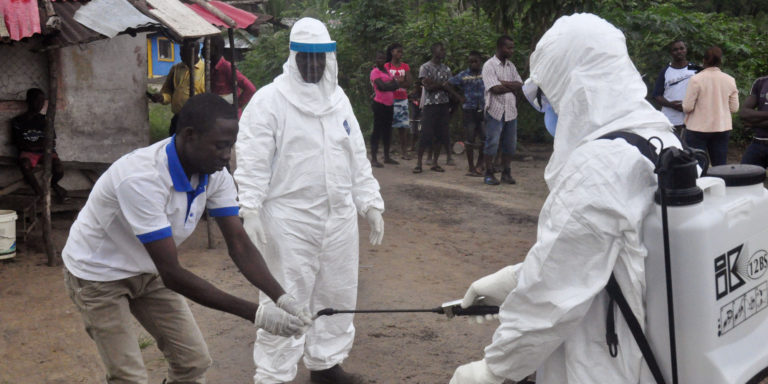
x=501, y=82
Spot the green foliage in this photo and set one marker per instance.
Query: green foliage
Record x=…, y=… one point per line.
x=264, y=63
x=159, y=121
x=362, y=27
x=650, y=30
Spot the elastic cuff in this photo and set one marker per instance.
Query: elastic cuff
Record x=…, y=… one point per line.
x=489, y=374
x=225, y=211
x=155, y=235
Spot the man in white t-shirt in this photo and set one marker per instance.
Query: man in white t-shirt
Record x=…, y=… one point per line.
x=671, y=84
x=121, y=256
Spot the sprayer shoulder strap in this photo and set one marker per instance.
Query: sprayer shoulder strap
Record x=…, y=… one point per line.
x=614, y=291
x=617, y=296
x=641, y=143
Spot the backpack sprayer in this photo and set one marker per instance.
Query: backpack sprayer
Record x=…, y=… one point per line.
x=707, y=237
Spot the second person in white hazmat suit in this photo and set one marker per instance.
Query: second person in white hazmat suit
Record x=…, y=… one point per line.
x=303, y=177
x=553, y=304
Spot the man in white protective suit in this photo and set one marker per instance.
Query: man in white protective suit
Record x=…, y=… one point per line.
x=303, y=176
x=554, y=304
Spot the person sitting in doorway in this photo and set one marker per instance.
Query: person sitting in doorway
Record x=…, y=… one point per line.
x=28, y=133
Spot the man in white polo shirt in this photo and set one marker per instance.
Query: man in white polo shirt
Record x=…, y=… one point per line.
x=121, y=257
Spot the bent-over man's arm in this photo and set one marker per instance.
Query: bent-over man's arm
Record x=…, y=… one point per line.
x=247, y=258
x=191, y=286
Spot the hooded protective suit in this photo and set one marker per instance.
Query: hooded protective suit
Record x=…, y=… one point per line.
x=301, y=164
x=554, y=320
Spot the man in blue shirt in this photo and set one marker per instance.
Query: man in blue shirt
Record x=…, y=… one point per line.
x=121, y=257
x=470, y=81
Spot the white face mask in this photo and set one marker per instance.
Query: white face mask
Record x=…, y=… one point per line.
x=539, y=102
x=550, y=119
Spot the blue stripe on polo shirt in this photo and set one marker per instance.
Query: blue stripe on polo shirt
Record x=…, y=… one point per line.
x=313, y=48
x=221, y=212
x=161, y=233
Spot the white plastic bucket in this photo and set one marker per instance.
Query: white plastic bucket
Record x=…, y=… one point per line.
x=7, y=234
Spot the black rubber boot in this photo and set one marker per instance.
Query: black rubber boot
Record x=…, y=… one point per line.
x=506, y=177
x=335, y=375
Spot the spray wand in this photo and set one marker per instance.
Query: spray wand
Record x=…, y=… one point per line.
x=450, y=309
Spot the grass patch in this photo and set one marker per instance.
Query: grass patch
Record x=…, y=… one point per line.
x=145, y=341
x=159, y=120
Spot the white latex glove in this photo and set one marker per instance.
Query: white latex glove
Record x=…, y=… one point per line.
x=252, y=225
x=494, y=288
x=278, y=322
x=287, y=303
x=476, y=372
x=376, y=222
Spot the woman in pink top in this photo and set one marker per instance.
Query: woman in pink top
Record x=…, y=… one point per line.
x=384, y=86
x=402, y=73
x=709, y=101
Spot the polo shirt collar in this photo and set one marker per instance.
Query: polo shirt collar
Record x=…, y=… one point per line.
x=178, y=176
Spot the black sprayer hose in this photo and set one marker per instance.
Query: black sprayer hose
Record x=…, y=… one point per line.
x=668, y=268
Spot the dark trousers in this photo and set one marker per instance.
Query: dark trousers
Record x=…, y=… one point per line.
x=382, y=128
x=756, y=153
x=714, y=143
x=474, y=129
x=434, y=125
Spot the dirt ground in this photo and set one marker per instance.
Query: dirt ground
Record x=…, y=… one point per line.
x=442, y=231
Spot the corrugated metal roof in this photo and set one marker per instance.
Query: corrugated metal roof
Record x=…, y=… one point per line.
x=20, y=19
x=71, y=32
x=242, y=18
x=110, y=17
x=182, y=21
x=243, y=40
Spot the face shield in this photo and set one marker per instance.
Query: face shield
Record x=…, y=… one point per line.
x=309, y=79
x=313, y=53
x=311, y=60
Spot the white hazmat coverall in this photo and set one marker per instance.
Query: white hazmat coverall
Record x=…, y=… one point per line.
x=301, y=164
x=554, y=320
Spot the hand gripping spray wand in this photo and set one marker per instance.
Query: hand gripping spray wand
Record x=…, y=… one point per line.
x=450, y=309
